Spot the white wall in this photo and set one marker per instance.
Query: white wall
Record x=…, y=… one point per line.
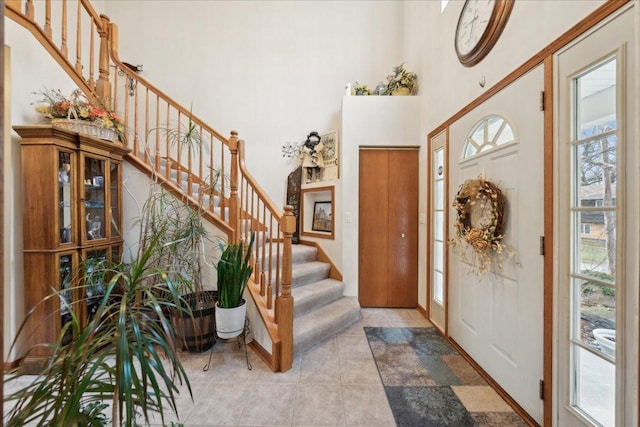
x=447, y=86
x=272, y=70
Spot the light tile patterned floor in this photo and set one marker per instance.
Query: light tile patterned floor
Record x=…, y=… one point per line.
x=335, y=383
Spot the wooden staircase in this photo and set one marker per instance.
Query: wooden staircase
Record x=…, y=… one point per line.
x=237, y=206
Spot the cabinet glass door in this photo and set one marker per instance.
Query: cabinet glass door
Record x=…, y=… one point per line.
x=114, y=194
x=94, y=267
x=65, y=190
x=66, y=269
x=94, y=199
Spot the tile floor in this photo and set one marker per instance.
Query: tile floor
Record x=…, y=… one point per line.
x=335, y=383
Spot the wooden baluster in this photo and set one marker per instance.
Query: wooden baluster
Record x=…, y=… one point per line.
x=234, y=217
x=63, y=47
x=156, y=158
x=270, y=264
x=79, y=40
x=103, y=88
x=223, y=184
x=92, y=82
x=284, y=303
x=278, y=266
x=28, y=10
x=264, y=238
x=167, y=151
x=47, y=20
x=136, y=130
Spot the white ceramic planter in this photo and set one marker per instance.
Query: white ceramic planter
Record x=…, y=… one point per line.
x=230, y=321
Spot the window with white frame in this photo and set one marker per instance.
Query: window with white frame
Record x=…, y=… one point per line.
x=488, y=134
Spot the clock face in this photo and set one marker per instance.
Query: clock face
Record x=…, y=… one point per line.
x=474, y=21
x=479, y=26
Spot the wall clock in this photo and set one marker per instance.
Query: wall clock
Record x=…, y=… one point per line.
x=479, y=26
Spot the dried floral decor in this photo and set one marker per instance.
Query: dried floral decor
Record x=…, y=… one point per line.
x=78, y=113
x=480, y=223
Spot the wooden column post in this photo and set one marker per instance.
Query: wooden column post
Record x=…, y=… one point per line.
x=284, y=301
x=103, y=86
x=234, y=211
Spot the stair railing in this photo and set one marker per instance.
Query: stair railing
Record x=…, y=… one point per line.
x=272, y=258
x=156, y=127
x=84, y=33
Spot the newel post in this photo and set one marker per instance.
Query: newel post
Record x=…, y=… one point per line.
x=103, y=86
x=284, y=302
x=234, y=216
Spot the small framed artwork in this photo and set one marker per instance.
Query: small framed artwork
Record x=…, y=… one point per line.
x=330, y=152
x=322, y=217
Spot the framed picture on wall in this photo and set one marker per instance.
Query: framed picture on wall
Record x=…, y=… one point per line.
x=330, y=150
x=322, y=217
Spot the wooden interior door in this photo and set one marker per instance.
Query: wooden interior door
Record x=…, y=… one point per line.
x=388, y=227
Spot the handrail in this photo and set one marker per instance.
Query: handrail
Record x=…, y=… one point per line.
x=181, y=152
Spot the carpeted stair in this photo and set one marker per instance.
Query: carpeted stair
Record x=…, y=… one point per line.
x=320, y=308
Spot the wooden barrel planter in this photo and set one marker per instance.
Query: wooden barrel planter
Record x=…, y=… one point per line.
x=198, y=333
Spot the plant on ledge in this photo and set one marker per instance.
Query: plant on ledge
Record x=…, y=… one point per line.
x=401, y=82
x=361, y=89
x=54, y=105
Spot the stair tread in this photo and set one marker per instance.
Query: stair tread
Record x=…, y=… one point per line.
x=309, y=272
x=324, y=322
x=314, y=295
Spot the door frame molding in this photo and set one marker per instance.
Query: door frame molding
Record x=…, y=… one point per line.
x=544, y=56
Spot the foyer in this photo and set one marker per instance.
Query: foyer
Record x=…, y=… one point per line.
x=566, y=92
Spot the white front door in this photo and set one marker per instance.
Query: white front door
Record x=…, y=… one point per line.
x=596, y=227
x=497, y=318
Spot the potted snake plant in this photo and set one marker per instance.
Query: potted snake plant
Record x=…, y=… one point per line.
x=234, y=270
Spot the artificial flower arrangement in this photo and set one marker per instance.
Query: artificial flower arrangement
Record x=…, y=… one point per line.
x=401, y=82
x=361, y=90
x=55, y=105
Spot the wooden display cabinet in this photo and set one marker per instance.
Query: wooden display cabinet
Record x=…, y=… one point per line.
x=72, y=214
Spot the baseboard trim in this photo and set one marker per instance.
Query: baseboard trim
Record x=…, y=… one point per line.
x=263, y=354
x=11, y=365
x=517, y=408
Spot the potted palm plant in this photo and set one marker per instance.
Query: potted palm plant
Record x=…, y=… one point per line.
x=183, y=237
x=195, y=329
x=234, y=270
x=125, y=353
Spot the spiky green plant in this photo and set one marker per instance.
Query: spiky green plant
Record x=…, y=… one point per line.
x=234, y=270
x=126, y=353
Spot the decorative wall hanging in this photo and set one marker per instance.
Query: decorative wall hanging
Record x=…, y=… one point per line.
x=480, y=207
x=318, y=155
